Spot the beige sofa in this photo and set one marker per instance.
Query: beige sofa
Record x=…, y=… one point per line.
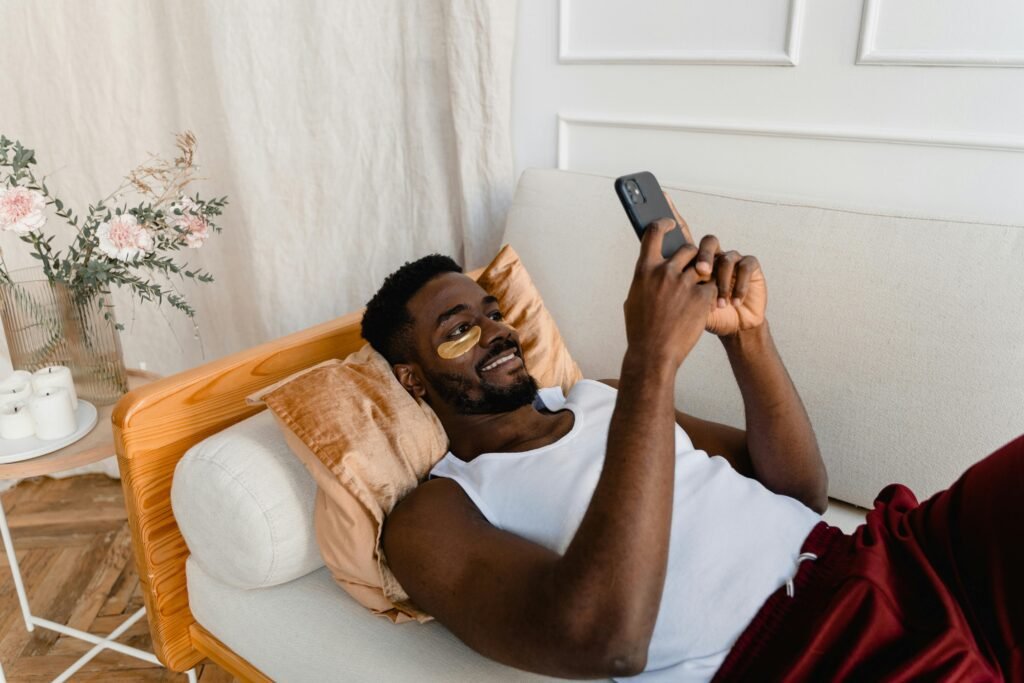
x=905, y=336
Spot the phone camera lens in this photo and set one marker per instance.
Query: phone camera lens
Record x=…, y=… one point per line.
x=633, y=192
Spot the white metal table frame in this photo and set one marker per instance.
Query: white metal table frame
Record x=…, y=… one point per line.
x=99, y=644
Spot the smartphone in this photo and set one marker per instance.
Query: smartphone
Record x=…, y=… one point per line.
x=644, y=202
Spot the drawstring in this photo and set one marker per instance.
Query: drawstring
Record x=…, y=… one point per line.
x=789, y=582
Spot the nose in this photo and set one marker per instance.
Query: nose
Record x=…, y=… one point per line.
x=492, y=331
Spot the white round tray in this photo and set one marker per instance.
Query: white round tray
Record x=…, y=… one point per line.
x=15, y=450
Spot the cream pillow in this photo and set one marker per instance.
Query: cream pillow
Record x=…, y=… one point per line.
x=367, y=442
x=245, y=504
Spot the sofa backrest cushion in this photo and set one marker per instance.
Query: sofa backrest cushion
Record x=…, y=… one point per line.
x=904, y=336
x=244, y=505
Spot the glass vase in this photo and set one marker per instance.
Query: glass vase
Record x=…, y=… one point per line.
x=50, y=324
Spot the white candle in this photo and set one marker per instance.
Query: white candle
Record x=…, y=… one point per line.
x=55, y=376
x=16, y=421
x=52, y=413
x=23, y=374
x=15, y=388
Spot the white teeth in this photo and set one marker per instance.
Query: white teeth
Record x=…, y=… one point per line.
x=498, y=362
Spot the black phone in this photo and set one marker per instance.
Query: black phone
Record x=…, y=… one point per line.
x=644, y=202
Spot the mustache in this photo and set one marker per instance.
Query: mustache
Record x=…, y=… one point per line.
x=510, y=346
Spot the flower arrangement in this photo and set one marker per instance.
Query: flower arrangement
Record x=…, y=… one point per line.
x=122, y=245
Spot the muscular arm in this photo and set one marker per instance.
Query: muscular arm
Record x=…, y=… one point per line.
x=778, y=448
x=780, y=440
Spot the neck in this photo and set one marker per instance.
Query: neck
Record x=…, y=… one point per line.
x=517, y=430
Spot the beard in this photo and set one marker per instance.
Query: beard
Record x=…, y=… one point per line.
x=454, y=390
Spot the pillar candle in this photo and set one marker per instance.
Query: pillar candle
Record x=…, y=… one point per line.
x=55, y=376
x=24, y=375
x=52, y=413
x=16, y=421
x=15, y=388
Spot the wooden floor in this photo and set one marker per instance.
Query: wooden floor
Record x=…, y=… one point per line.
x=73, y=546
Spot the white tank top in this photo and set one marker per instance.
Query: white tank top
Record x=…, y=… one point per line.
x=733, y=542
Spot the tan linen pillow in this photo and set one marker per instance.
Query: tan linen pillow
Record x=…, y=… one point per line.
x=544, y=351
x=367, y=442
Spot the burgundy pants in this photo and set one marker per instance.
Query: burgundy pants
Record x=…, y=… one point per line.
x=929, y=592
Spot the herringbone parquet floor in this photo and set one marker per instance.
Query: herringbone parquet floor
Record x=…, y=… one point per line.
x=73, y=545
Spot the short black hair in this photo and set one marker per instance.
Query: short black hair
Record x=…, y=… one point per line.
x=387, y=323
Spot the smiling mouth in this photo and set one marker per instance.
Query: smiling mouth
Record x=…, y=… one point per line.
x=500, y=361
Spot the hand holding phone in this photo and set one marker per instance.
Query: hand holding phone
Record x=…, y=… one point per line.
x=668, y=303
x=645, y=202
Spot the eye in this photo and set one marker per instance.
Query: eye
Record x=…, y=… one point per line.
x=498, y=314
x=458, y=331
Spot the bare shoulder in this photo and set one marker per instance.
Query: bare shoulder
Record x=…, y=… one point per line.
x=435, y=502
x=491, y=588
x=428, y=537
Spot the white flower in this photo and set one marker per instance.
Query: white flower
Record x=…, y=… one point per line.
x=22, y=210
x=194, y=226
x=123, y=238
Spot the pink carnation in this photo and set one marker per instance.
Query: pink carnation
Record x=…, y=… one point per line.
x=194, y=225
x=123, y=238
x=22, y=210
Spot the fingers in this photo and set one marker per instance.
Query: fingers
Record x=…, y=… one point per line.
x=679, y=261
x=709, y=248
x=733, y=275
x=679, y=220
x=745, y=270
x=724, y=272
x=650, y=245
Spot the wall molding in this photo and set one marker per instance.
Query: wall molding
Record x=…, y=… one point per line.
x=788, y=56
x=869, y=53
x=834, y=133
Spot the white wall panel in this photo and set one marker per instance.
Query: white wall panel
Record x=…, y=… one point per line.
x=943, y=32
x=908, y=139
x=680, y=32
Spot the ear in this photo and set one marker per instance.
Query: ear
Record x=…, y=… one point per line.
x=409, y=377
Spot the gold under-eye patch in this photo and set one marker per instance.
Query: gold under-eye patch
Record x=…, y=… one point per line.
x=457, y=347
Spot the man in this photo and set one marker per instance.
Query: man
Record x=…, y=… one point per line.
x=592, y=535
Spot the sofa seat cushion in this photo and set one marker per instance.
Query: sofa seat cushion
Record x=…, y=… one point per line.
x=310, y=629
x=244, y=505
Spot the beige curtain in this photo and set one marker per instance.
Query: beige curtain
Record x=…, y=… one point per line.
x=350, y=136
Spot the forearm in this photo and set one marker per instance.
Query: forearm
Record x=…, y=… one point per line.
x=780, y=440
x=614, y=569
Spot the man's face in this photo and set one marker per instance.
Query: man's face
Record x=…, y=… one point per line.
x=445, y=309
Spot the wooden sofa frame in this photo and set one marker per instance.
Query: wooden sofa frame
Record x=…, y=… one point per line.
x=153, y=427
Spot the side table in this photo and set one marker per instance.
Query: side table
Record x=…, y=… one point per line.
x=95, y=446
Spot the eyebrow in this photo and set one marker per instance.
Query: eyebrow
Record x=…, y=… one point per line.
x=458, y=308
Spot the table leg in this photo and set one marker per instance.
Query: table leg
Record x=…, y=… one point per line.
x=108, y=643
x=15, y=572
x=99, y=644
